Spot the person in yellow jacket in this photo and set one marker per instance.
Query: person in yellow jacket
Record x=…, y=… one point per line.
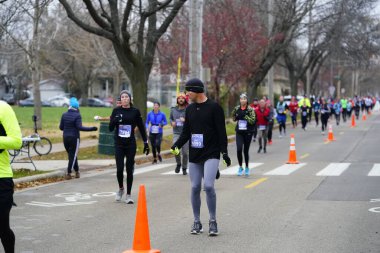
x=10, y=138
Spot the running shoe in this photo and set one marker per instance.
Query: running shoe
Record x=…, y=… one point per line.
x=119, y=194
x=77, y=174
x=68, y=176
x=258, y=151
x=240, y=171
x=197, y=228
x=217, y=175
x=254, y=139
x=184, y=172
x=213, y=228
x=154, y=161
x=159, y=158
x=129, y=200
x=178, y=168
x=280, y=136
x=270, y=142
x=246, y=172
x=265, y=150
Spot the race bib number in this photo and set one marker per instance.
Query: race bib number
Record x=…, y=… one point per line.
x=242, y=125
x=125, y=131
x=197, y=141
x=155, y=129
x=281, y=111
x=178, y=123
x=262, y=127
x=304, y=113
x=337, y=113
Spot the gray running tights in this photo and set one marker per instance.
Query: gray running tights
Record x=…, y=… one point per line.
x=207, y=171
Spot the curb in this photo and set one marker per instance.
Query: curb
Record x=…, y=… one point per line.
x=57, y=173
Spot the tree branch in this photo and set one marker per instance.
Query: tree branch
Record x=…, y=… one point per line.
x=95, y=16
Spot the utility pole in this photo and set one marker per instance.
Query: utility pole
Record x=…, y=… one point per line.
x=308, y=71
x=271, y=70
x=195, y=38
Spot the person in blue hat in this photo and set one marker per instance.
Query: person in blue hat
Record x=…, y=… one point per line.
x=71, y=124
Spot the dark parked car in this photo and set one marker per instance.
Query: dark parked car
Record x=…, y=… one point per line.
x=30, y=102
x=96, y=102
x=9, y=98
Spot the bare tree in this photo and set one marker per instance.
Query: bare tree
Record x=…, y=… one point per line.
x=134, y=28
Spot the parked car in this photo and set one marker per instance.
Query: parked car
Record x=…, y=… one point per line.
x=59, y=101
x=96, y=102
x=30, y=102
x=9, y=98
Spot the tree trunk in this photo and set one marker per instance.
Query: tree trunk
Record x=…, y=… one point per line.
x=139, y=83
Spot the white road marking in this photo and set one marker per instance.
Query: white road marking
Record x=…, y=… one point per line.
x=285, y=169
x=151, y=168
x=333, y=169
x=375, y=171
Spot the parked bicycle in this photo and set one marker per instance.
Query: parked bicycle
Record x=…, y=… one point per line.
x=41, y=145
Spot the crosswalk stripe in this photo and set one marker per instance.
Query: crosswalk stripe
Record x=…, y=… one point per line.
x=285, y=170
x=234, y=169
x=333, y=169
x=375, y=171
x=150, y=168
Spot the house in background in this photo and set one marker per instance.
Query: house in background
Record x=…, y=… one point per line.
x=50, y=88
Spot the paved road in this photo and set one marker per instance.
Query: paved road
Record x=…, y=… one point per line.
x=328, y=203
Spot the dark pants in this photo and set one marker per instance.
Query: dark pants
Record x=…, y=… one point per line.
x=294, y=119
x=344, y=114
x=304, y=121
x=316, y=116
x=6, y=200
x=72, y=146
x=155, y=142
x=324, y=120
x=243, y=139
x=255, y=131
x=337, y=117
x=270, y=130
x=122, y=152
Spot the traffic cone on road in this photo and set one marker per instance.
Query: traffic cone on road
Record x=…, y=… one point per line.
x=364, y=117
x=292, y=151
x=141, y=240
x=331, y=134
x=353, y=124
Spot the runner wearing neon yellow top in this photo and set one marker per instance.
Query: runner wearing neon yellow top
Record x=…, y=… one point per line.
x=344, y=103
x=12, y=140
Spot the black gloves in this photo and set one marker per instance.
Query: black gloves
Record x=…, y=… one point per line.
x=94, y=129
x=226, y=159
x=118, y=118
x=146, y=148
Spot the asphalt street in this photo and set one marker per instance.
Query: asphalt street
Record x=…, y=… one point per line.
x=330, y=202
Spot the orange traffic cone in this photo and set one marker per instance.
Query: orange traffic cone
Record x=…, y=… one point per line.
x=364, y=117
x=331, y=135
x=353, y=124
x=292, y=151
x=141, y=240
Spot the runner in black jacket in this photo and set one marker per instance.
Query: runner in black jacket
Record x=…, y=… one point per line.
x=205, y=129
x=124, y=120
x=71, y=124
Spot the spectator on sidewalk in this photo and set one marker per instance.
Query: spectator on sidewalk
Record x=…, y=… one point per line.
x=71, y=124
x=10, y=138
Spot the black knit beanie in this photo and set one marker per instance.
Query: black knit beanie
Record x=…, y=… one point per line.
x=129, y=95
x=195, y=85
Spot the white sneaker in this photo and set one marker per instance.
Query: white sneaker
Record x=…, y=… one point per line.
x=280, y=136
x=119, y=194
x=129, y=200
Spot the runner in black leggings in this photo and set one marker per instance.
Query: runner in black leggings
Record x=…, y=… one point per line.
x=325, y=114
x=10, y=138
x=245, y=117
x=124, y=120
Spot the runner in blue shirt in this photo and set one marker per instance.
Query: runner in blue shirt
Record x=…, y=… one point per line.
x=157, y=120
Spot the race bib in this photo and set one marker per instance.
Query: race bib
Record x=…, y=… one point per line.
x=242, y=124
x=304, y=113
x=280, y=110
x=262, y=127
x=178, y=123
x=155, y=129
x=291, y=114
x=197, y=141
x=125, y=131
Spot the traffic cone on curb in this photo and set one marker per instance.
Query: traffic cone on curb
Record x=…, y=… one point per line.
x=331, y=134
x=364, y=117
x=141, y=240
x=353, y=124
x=292, y=151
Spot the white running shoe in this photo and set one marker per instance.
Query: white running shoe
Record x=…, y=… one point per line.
x=119, y=194
x=129, y=200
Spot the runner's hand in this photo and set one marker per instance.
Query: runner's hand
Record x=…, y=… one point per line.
x=174, y=150
x=226, y=159
x=146, y=149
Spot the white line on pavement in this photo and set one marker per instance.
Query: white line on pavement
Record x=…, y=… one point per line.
x=375, y=171
x=151, y=168
x=285, y=170
x=233, y=170
x=334, y=169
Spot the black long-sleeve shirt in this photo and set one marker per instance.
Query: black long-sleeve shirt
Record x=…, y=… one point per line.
x=124, y=128
x=204, y=120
